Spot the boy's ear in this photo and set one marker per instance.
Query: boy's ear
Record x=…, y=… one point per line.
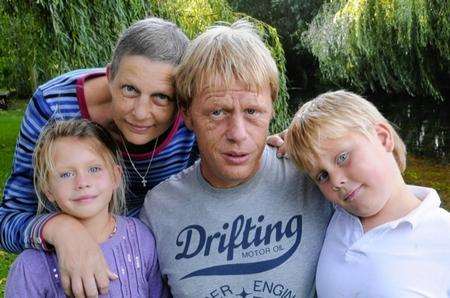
x=385, y=136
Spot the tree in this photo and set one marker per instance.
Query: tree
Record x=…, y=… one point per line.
x=395, y=45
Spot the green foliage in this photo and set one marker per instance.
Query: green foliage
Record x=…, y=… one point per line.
x=398, y=45
x=44, y=38
x=194, y=16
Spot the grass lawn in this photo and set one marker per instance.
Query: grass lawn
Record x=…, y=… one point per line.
x=420, y=171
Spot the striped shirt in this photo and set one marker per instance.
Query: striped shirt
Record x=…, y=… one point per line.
x=63, y=98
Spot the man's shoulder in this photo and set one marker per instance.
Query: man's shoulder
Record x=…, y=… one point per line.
x=174, y=189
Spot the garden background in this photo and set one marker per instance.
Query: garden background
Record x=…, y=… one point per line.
x=395, y=52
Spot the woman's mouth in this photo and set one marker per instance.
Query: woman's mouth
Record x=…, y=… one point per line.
x=139, y=129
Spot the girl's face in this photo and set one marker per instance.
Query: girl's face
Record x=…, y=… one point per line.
x=143, y=100
x=83, y=183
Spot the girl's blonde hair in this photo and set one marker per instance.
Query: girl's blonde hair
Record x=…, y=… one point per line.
x=224, y=54
x=331, y=115
x=84, y=130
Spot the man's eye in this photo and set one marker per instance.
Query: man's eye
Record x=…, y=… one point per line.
x=322, y=177
x=251, y=111
x=342, y=158
x=217, y=113
x=129, y=91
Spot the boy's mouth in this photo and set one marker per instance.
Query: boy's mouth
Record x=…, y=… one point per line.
x=351, y=195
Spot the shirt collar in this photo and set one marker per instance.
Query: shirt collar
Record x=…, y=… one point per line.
x=430, y=200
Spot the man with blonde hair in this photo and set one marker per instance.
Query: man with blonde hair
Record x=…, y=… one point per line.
x=240, y=222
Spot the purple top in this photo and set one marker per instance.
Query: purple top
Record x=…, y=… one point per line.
x=130, y=253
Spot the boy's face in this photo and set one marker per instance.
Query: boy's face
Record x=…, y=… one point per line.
x=358, y=173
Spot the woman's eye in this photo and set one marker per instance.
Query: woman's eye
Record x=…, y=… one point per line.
x=322, y=177
x=161, y=99
x=342, y=158
x=129, y=91
x=66, y=175
x=94, y=169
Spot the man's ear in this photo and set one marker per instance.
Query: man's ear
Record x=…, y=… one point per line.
x=384, y=135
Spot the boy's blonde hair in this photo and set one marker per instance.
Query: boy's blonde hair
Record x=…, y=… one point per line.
x=221, y=55
x=331, y=115
x=84, y=130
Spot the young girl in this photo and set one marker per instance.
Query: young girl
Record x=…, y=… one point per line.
x=78, y=172
x=385, y=239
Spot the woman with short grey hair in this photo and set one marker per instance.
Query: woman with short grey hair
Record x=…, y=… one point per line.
x=133, y=97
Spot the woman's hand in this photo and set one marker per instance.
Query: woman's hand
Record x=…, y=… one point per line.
x=277, y=141
x=82, y=267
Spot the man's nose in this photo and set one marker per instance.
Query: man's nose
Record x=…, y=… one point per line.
x=237, y=130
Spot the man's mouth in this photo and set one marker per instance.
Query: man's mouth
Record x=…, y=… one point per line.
x=236, y=157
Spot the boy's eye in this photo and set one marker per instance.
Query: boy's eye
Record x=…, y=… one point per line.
x=66, y=174
x=322, y=177
x=129, y=91
x=94, y=169
x=342, y=158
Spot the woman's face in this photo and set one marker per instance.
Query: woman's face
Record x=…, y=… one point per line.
x=143, y=103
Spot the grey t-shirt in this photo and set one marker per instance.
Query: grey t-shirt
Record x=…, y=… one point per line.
x=260, y=239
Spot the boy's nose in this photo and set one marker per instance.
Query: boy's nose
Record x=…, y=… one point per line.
x=337, y=181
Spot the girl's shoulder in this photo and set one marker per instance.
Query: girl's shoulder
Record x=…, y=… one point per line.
x=135, y=228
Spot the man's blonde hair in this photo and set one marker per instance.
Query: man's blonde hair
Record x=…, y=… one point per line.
x=43, y=158
x=224, y=54
x=329, y=116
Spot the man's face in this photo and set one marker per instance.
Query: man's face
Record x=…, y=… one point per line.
x=231, y=128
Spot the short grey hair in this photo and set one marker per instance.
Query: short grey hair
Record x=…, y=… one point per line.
x=153, y=38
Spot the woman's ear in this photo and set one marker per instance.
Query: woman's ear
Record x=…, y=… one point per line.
x=186, y=116
x=384, y=135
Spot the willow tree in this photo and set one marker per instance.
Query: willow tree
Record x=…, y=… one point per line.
x=42, y=38
x=194, y=16
x=396, y=45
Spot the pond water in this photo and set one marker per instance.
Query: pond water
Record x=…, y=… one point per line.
x=424, y=124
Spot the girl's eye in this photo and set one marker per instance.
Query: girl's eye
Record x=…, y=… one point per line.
x=322, y=177
x=94, y=169
x=66, y=175
x=129, y=91
x=342, y=158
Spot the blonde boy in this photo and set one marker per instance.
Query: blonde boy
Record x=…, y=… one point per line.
x=386, y=239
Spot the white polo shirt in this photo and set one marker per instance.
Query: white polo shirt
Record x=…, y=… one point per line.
x=408, y=257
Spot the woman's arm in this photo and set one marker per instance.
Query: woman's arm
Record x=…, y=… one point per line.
x=20, y=228
x=82, y=266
